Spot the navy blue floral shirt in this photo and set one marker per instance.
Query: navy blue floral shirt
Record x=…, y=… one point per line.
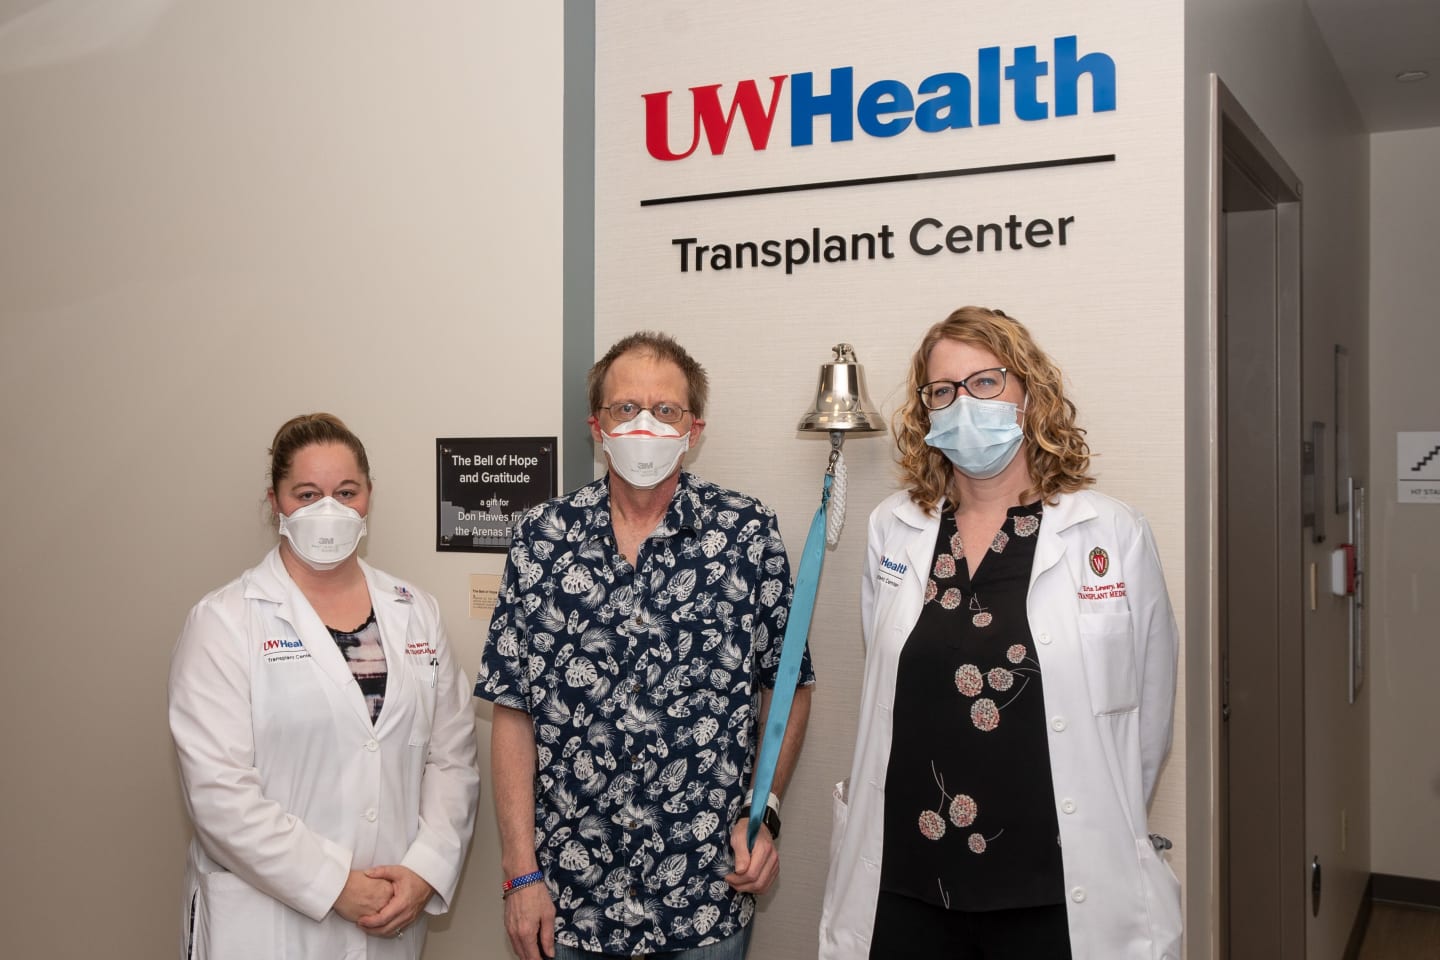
x=642, y=683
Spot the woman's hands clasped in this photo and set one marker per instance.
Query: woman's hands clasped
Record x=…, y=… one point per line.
x=383, y=900
x=362, y=896
x=411, y=893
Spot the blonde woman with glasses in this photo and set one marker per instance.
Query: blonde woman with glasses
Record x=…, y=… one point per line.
x=1019, y=684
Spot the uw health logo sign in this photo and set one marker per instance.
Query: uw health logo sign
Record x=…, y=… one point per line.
x=945, y=101
x=283, y=649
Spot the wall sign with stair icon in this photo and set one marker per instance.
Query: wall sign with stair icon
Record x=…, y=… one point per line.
x=1417, y=466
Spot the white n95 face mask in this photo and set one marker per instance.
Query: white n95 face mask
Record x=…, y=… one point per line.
x=644, y=451
x=980, y=437
x=323, y=534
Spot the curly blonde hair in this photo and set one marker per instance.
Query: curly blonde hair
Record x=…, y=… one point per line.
x=1055, y=446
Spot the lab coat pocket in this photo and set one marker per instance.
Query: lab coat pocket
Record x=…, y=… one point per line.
x=1109, y=654
x=234, y=921
x=422, y=724
x=417, y=756
x=839, y=816
x=1162, y=902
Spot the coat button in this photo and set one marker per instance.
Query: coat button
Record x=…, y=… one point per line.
x=370, y=815
x=1077, y=894
x=1058, y=723
x=372, y=745
x=1067, y=805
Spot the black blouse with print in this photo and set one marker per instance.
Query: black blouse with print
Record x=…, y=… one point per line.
x=970, y=820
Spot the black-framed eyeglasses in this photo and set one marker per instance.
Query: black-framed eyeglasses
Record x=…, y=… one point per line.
x=626, y=410
x=982, y=385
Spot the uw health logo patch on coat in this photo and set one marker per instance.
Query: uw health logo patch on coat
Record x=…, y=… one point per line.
x=1099, y=561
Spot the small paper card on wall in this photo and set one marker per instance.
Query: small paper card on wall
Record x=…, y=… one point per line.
x=484, y=594
x=1417, y=466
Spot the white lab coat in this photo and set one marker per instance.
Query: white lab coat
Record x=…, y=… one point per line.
x=1109, y=668
x=288, y=783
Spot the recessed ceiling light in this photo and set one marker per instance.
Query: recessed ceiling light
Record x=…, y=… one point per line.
x=1410, y=76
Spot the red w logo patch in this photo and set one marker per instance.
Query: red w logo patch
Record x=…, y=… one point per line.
x=1099, y=561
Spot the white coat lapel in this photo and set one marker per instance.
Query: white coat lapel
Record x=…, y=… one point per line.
x=274, y=583
x=393, y=603
x=1069, y=510
x=920, y=541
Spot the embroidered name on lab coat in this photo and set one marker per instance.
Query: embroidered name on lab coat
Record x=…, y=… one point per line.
x=1101, y=591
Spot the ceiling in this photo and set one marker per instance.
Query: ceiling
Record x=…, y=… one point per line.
x=1372, y=41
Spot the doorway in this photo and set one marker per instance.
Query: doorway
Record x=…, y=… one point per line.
x=1262, y=877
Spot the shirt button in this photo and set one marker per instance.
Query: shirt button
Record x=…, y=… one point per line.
x=630, y=891
x=1043, y=638
x=638, y=620
x=370, y=815
x=636, y=760
x=1058, y=724
x=1067, y=805
x=1077, y=894
x=631, y=824
x=372, y=745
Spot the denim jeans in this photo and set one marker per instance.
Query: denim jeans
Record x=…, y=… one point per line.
x=732, y=947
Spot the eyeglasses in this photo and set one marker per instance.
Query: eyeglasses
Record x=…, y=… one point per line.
x=982, y=385
x=627, y=410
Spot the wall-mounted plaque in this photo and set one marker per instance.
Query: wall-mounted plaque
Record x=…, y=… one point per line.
x=485, y=486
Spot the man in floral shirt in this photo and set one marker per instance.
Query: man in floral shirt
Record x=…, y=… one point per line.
x=639, y=618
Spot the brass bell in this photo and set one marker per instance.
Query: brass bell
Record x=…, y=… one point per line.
x=841, y=403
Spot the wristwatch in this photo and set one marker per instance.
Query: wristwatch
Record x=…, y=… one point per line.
x=771, y=820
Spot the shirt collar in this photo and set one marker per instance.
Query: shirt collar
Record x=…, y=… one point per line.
x=684, y=513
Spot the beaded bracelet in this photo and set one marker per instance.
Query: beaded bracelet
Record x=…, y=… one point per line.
x=523, y=880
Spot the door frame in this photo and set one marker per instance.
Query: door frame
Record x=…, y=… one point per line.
x=1235, y=136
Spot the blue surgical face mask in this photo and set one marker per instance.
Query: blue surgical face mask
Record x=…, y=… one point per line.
x=980, y=437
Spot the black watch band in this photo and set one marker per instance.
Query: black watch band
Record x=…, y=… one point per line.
x=771, y=820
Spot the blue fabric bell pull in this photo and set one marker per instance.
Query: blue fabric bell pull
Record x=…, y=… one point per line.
x=797, y=628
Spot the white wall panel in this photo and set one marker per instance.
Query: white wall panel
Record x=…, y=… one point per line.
x=216, y=216
x=1108, y=305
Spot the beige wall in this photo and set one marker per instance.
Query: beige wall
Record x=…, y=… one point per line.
x=214, y=216
x=1404, y=599
x=1271, y=56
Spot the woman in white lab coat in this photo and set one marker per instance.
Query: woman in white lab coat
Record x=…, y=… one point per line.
x=324, y=733
x=1019, y=684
